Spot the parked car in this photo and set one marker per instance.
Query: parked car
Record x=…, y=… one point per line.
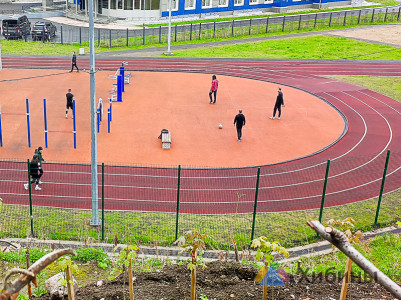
x=16, y=27
x=43, y=29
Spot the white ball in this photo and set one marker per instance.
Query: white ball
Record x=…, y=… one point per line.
x=220, y=126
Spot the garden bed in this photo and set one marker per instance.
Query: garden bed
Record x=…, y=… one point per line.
x=225, y=280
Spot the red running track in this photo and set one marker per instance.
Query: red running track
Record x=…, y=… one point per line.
x=357, y=159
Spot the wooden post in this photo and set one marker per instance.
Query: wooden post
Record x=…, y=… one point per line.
x=193, y=284
x=193, y=277
x=131, y=281
x=28, y=264
x=347, y=275
x=265, y=287
x=70, y=283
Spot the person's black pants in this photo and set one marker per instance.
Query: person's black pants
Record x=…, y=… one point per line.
x=279, y=110
x=36, y=178
x=239, y=132
x=215, y=96
x=74, y=64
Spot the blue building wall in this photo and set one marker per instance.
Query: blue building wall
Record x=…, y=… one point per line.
x=246, y=6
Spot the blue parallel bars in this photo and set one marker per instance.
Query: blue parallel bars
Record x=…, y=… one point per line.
x=74, y=124
x=28, y=123
x=45, y=118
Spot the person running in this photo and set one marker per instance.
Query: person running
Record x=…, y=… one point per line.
x=35, y=174
x=38, y=152
x=70, y=98
x=213, y=89
x=277, y=105
x=239, y=121
x=74, y=62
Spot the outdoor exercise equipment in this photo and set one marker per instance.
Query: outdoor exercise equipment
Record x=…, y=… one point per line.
x=18, y=114
x=74, y=131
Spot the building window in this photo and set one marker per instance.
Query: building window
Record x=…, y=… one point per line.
x=189, y=4
x=223, y=3
x=206, y=3
x=120, y=4
x=128, y=4
x=268, y=1
x=105, y=4
x=238, y=2
x=253, y=2
x=113, y=4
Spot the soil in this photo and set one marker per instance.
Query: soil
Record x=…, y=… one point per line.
x=225, y=280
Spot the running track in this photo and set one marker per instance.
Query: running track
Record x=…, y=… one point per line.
x=357, y=159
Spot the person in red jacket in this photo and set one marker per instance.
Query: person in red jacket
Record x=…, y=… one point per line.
x=213, y=89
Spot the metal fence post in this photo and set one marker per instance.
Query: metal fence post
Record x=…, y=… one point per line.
x=385, y=16
x=127, y=36
x=345, y=19
x=143, y=35
x=110, y=38
x=214, y=29
x=80, y=36
x=283, y=23
x=200, y=30
x=324, y=191
x=160, y=34
x=382, y=187
x=314, y=25
x=359, y=16
x=30, y=196
x=299, y=22
x=102, y=202
x=61, y=34
x=175, y=33
x=267, y=24
x=399, y=11
x=373, y=16
x=232, y=28
x=331, y=15
x=178, y=202
x=98, y=37
x=190, y=33
x=255, y=205
x=250, y=26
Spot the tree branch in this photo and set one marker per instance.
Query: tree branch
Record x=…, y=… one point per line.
x=338, y=239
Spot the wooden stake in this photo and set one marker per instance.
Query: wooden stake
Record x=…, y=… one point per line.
x=193, y=284
x=131, y=281
x=70, y=283
x=265, y=293
x=28, y=264
x=347, y=275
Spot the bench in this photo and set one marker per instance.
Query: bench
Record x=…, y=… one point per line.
x=166, y=140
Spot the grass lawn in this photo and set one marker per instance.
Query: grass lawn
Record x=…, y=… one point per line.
x=390, y=86
x=311, y=47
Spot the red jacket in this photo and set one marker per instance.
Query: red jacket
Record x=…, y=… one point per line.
x=215, y=85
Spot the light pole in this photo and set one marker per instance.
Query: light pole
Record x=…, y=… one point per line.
x=95, y=221
x=169, y=30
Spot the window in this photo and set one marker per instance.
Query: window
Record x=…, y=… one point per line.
x=189, y=4
x=268, y=1
x=253, y=2
x=206, y=3
x=223, y=3
x=128, y=4
x=238, y=2
x=113, y=4
x=120, y=4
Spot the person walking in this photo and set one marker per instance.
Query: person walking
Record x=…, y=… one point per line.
x=239, y=121
x=38, y=152
x=74, y=62
x=277, y=105
x=35, y=174
x=213, y=89
x=69, y=104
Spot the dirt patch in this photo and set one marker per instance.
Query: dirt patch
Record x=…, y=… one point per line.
x=384, y=34
x=224, y=280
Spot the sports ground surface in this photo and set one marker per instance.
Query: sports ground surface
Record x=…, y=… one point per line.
x=351, y=126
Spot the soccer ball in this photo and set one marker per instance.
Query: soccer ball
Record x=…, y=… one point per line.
x=220, y=126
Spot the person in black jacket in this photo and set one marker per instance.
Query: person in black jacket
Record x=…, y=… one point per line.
x=70, y=98
x=277, y=105
x=38, y=152
x=74, y=62
x=239, y=121
x=35, y=174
